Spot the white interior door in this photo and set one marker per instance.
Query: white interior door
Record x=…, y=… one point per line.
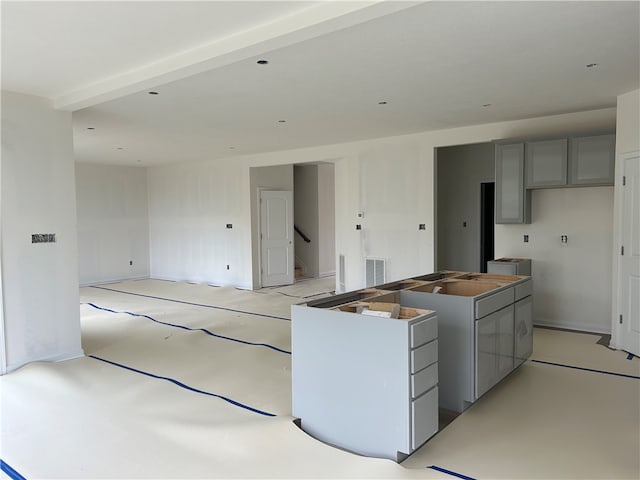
x=276, y=237
x=630, y=257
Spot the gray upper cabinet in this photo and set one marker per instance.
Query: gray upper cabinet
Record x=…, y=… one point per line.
x=592, y=160
x=546, y=163
x=513, y=202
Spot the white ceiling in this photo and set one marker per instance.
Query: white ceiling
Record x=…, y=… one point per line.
x=330, y=64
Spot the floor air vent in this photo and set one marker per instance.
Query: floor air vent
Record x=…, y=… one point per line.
x=375, y=271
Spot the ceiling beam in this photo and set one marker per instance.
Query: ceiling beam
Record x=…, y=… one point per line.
x=315, y=21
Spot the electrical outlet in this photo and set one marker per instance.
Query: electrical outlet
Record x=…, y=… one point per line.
x=229, y=225
x=564, y=239
x=525, y=238
x=422, y=226
x=130, y=262
x=358, y=227
x=227, y=267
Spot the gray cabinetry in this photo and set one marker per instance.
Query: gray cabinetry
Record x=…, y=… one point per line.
x=523, y=330
x=365, y=383
x=494, y=348
x=592, y=160
x=510, y=266
x=476, y=331
x=513, y=201
x=546, y=162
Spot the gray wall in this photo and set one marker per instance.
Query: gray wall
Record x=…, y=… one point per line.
x=314, y=214
x=305, y=180
x=326, y=220
x=459, y=172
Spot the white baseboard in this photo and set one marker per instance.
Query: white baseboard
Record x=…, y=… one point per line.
x=112, y=280
x=61, y=357
x=573, y=326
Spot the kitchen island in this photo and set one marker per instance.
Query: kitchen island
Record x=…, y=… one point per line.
x=373, y=384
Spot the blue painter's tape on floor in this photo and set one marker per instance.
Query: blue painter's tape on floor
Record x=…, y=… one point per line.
x=183, y=327
x=588, y=369
x=6, y=468
x=449, y=472
x=194, y=304
x=185, y=386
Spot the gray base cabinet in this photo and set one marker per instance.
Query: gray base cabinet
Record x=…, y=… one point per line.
x=482, y=326
x=494, y=347
x=510, y=266
x=374, y=385
x=523, y=330
x=364, y=383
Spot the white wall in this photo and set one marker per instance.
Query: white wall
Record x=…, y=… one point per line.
x=189, y=208
x=39, y=281
x=628, y=123
x=326, y=220
x=627, y=142
x=572, y=281
x=113, y=223
x=389, y=179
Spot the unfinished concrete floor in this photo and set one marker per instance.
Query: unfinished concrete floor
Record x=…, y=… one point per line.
x=193, y=381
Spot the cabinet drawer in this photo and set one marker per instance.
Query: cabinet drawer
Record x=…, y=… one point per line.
x=424, y=356
x=424, y=332
x=496, y=301
x=424, y=414
x=523, y=290
x=424, y=380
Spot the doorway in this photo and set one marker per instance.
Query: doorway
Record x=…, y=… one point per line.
x=487, y=235
x=314, y=218
x=464, y=221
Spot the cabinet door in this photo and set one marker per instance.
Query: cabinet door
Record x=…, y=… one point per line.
x=513, y=202
x=424, y=414
x=592, y=160
x=546, y=163
x=523, y=334
x=494, y=348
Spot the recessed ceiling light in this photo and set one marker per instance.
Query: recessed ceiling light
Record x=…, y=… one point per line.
x=153, y=93
x=262, y=62
x=232, y=148
x=91, y=128
x=282, y=121
x=486, y=105
x=382, y=103
x=591, y=65
x=120, y=148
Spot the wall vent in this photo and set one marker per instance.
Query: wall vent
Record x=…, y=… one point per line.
x=375, y=271
x=341, y=279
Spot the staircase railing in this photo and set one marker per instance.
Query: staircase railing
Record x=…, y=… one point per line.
x=299, y=232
